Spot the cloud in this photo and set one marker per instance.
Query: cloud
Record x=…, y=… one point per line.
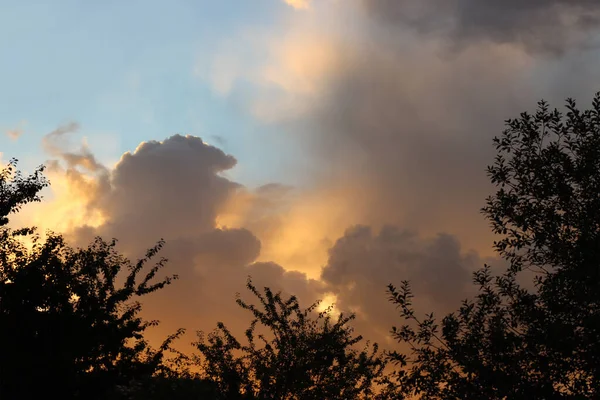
x=77, y=178
x=298, y=4
x=393, y=131
x=274, y=66
x=363, y=262
x=175, y=189
x=410, y=133
x=224, y=71
x=394, y=128
x=55, y=144
x=218, y=233
x=171, y=186
x=538, y=25
x=15, y=133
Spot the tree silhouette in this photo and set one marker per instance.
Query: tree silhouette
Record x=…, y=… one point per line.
x=518, y=340
x=303, y=355
x=68, y=327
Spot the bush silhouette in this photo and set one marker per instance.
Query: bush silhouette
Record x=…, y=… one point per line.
x=303, y=355
x=68, y=328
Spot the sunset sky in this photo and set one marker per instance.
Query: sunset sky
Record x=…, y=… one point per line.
x=325, y=147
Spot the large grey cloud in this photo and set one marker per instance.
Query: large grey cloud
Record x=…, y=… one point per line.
x=539, y=25
x=411, y=133
x=407, y=126
x=175, y=189
x=172, y=187
x=363, y=262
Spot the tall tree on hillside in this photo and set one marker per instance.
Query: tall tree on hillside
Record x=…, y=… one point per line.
x=517, y=340
x=68, y=327
x=303, y=354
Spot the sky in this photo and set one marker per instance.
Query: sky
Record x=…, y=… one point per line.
x=326, y=148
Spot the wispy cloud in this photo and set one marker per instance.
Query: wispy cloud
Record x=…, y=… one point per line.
x=298, y=4
x=14, y=134
x=17, y=132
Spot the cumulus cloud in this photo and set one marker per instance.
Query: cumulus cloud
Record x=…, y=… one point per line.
x=411, y=135
x=363, y=262
x=175, y=189
x=395, y=132
x=538, y=25
x=394, y=128
x=218, y=233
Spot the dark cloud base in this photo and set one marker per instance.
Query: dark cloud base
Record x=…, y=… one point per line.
x=538, y=25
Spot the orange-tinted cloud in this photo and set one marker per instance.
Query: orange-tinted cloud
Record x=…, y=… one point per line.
x=394, y=120
x=401, y=118
x=16, y=132
x=174, y=189
x=363, y=262
x=298, y=4
x=395, y=130
x=76, y=178
x=219, y=232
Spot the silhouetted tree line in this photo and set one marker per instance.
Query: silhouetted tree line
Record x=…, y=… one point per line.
x=70, y=326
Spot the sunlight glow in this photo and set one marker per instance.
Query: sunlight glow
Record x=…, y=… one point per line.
x=329, y=301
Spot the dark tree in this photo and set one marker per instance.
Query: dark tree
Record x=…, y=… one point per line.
x=170, y=383
x=534, y=331
x=69, y=318
x=302, y=355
